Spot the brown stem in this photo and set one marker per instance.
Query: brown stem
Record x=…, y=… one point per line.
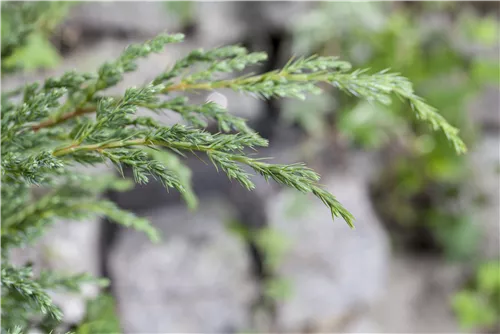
x=182, y=86
x=51, y=122
x=126, y=143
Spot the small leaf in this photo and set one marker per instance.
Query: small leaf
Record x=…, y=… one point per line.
x=37, y=53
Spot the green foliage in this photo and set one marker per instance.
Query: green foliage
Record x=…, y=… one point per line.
x=441, y=176
x=272, y=243
x=49, y=130
x=100, y=317
x=38, y=53
x=371, y=126
x=478, y=307
x=16, y=330
x=278, y=289
x=273, y=246
x=25, y=297
x=182, y=10
x=22, y=295
x=419, y=186
x=26, y=27
x=483, y=32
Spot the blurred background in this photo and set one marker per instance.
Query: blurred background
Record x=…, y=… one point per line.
x=424, y=256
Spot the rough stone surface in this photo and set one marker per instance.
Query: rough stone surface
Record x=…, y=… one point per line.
x=218, y=23
x=485, y=110
x=197, y=280
x=417, y=296
x=145, y=18
x=335, y=271
x=274, y=15
x=485, y=164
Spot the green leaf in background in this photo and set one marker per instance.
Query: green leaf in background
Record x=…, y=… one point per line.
x=458, y=235
x=478, y=306
x=370, y=125
x=439, y=5
x=37, y=53
x=443, y=169
x=312, y=121
x=101, y=317
x=278, y=289
x=489, y=279
x=182, y=9
x=473, y=311
x=486, y=71
x=484, y=30
x=274, y=244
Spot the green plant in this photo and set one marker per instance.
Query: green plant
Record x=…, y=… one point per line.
x=421, y=182
x=182, y=9
x=25, y=31
x=271, y=247
x=50, y=128
x=478, y=307
x=100, y=317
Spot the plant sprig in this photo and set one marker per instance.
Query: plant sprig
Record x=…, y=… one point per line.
x=297, y=79
x=47, y=129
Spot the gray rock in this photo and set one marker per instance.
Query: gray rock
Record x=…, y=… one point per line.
x=485, y=182
x=218, y=24
x=418, y=295
x=485, y=110
x=196, y=280
x=335, y=271
x=274, y=15
x=136, y=17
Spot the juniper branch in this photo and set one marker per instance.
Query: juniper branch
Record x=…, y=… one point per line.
x=295, y=80
x=20, y=281
x=296, y=176
x=53, y=128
